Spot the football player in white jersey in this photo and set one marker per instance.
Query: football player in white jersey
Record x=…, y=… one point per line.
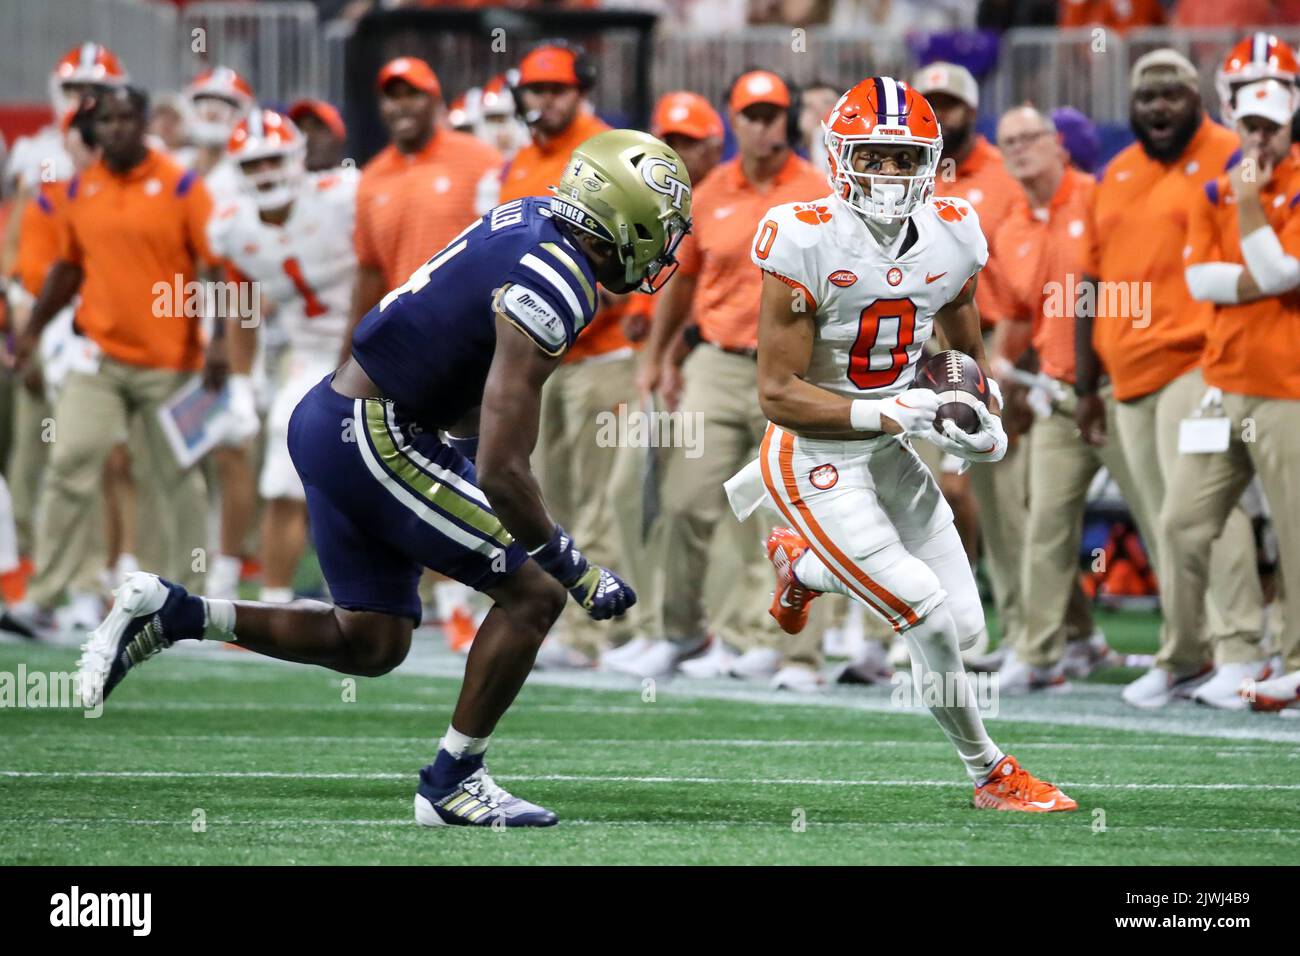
x=854, y=284
x=289, y=234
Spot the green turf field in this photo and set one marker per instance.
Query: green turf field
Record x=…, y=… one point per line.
x=280, y=769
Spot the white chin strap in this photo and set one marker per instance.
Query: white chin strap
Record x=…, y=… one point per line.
x=207, y=133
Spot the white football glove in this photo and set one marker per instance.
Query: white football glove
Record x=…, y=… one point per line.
x=914, y=410
x=987, y=444
x=242, y=422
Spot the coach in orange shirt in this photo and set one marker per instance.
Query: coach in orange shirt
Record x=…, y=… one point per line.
x=1149, y=333
x=1242, y=247
x=718, y=284
x=420, y=190
x=1043, y=248
x=989, y=497
x=132, y=233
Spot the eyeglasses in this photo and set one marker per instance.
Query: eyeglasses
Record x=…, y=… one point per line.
x=1011, y=142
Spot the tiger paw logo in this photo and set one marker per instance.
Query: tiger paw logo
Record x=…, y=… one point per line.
x=950, y=211
x=812, y=214
x=823, y=477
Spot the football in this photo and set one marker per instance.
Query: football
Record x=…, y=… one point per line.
x=959, y=382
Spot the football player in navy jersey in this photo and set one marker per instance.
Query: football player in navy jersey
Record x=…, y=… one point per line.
x=463, y=347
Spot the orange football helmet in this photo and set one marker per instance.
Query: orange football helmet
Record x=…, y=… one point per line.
x=90, y=64
x=882, y=111
x=265, y=134
x=1260, y=56
x=217, y=99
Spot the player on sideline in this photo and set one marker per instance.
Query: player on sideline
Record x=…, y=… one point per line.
x=877, y=266
x=472, y=335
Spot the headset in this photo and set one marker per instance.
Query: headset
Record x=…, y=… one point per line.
x=584, y=68
x=792, y=112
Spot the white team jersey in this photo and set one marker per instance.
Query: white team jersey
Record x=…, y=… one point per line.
x=306, y=267
x=39, y=158
x=874, y=312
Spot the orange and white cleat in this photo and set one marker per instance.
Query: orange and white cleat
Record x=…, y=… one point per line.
x=791, y=599
x=1011, y=787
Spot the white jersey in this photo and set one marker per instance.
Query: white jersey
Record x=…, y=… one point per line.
x=874, y=312
x=306, y=267
x=38, y=158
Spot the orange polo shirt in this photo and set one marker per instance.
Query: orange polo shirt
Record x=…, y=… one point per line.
x=1117, y=14
x=38, y=237
x=411, y=205
x=132, y=235
x=983, y=181
x=535, y=169
x=1250, y=349
x=1043, y=254
x=1136, y=234
x=726, y=210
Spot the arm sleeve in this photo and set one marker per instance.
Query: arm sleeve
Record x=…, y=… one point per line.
x=1214, y=281
x=1273, y=270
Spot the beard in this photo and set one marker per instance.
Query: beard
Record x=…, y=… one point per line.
x=955, y=139
x=1183, y=134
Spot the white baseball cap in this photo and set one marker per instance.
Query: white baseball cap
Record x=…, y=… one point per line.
x=950, y=78
x=1271, y=99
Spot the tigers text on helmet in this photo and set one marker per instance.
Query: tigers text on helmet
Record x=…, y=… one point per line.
x=1260, y=56
x=882, y=111
x=265, y=134
x=631, y=190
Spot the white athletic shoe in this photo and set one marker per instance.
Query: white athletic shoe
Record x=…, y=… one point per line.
x=712, y=664
x=757, y=663
x=222, y=578
x=554, y=656
x=1018, y=677
x=659, y=659
x=1223, y=689
x=799, y=678
x=1277, y=693
x=1157, y=687
x=1084, y=658
x=631, y=649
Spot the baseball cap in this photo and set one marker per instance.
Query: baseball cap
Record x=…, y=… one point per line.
x=323, y=111
x=1270, y=99
x=1079, y=135
x=687, y=114
x=414, y=71
x=1163, y=66
x=549, y=64
x=950, y=78
x=759, y=86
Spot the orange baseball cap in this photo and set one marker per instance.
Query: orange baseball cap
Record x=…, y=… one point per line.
x=323, y=111
x=414, y=71
x=687, y=114
x=759, y=86
x=549, y=64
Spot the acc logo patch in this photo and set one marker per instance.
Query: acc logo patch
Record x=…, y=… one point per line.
x=842, y=278
x=894, y=276
x=823, y=477
x=812, y=214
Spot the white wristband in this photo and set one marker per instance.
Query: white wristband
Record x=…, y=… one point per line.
x=1272, y=269
x=864, y=415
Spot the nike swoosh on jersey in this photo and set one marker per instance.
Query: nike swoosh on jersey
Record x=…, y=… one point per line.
x=931, y=278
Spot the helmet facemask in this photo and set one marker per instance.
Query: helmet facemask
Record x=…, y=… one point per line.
x=272, y=188
x=212, y=118
x=875, y=196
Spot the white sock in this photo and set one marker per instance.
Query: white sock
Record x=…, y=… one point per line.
x=218, y=620
x=275, y=595
x=933, y=646
x=459, y=745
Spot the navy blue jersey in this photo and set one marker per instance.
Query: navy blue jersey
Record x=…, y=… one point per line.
x=428, y=344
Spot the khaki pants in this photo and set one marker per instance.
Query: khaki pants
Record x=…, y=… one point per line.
x=593, y=486
x=1001, y=490
x=29, y=455
x=1062, y=466
x=91, y=416
x=1203, y=494
x=721, y=389
x=1148, y=434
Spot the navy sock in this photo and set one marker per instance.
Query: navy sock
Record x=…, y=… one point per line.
x=185, y=615
x=446, y=772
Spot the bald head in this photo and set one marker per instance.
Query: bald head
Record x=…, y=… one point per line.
x=1030, y=146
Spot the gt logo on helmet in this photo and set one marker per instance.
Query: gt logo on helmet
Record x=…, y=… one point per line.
x=671, y=185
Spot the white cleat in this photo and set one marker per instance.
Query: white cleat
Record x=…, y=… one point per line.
x=1018, y=677
x=1084, y=658
x=1157, y=687
x=757, y=663
x=1276, y=694
x=1223, y=689
x=633, y=648
x=133, y=631
x=713, y=664
x=799, y=678
x=659, y=659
